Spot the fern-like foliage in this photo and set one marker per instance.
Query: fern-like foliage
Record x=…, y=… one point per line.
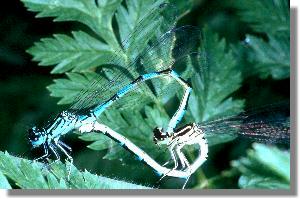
x=214, y=73
x=210, y=98
x=257, y=13
x=21, y=173
x=216, y=77
x=262, y=170
x=76, y=53
x=97, y=18
x=269, y=56
x=84, y=51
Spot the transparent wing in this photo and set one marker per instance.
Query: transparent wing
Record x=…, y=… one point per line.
x=158, y=90
x=269, y=124
x=174, y=45
x=121, y=68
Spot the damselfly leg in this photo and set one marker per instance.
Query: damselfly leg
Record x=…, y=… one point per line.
x=61, y=146
x=65, y=146
x=45, y=155
x=174, y=159
x=54, y=148
x=187, y=135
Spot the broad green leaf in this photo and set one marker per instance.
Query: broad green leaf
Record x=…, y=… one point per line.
x=264, y=167
x=31, y=175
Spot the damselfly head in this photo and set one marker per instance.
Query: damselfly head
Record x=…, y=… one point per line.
x=36, y=136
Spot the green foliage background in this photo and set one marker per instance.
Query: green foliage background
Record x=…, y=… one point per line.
x=246, y=64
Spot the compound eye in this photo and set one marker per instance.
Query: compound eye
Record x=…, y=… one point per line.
x=36, y=136
x=33, y=134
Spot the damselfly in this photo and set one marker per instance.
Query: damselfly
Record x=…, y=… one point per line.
x=157, y=60
x=269, y=124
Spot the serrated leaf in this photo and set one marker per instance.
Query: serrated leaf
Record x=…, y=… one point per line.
x=258, y=182
x=77, y=53
x=4, y=184
x=102, y=143
x=129, y=21
x=216, y=76
x=24, y=174
x=258, y=14
x=98, y=18
x=69, y=89
x=220, y=78
x=133, y=126
x=264, y=167
x=269, y=58
x=82, y=52
x=31, y=175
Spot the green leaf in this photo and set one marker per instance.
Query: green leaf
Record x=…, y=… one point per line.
x=184, y=7
x=24, y=174
x=69, y=89
x=266, y=56
x=97, y=18
x=31, y=175
x=267, y=16
x=216, y=77
x=269, y=58
x=101, y=142
x=82, y=51
x=4, y=184
x=264, y=167
x=139, y=19
x=77, y=53
x=133, y=126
